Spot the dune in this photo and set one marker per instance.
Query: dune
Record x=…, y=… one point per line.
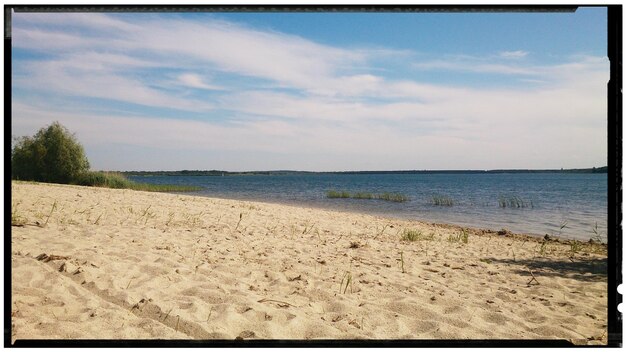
x=96, y=263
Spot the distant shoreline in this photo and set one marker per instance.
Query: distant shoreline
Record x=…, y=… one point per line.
x=594, y=170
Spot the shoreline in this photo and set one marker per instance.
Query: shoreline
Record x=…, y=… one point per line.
x=390, y=217
x=192, y=267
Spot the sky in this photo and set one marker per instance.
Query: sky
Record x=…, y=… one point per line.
x=317, y=91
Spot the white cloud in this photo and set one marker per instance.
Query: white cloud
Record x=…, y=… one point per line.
x=514, y=54
x=195, y=81
x=475, y=67
x=79, y=77
x=304, y=97
x=463, y=141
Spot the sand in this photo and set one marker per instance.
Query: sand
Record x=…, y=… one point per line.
x=95, y=263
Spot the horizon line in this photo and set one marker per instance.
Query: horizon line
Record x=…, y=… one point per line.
x=361, y=171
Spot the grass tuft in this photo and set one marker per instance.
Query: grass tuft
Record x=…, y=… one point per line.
x=575, y=246
x=462, y=236
x=347, y=277
x=411, y=235
x=415, y=235
x=16, y=218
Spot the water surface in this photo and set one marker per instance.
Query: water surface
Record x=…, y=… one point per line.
x=578, y=201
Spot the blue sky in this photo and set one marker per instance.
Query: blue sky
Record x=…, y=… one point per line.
x=317, y=91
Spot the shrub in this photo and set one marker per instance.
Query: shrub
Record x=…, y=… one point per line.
x=103, y=179
x=51, y=155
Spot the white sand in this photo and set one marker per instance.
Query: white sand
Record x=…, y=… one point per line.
x=139, y=265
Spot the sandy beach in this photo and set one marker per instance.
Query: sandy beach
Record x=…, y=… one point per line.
x=95, y=263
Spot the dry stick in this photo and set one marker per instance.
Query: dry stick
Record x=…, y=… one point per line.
x=309, y=229
x=348, y=277
x=51, y=210
x=381, y=232
x=178, y=320
x=240, y=216
x=168, y=313
x=533, y=279
x=274, y=300
x=98, y=219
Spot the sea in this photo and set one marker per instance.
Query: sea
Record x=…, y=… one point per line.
x=567, y=205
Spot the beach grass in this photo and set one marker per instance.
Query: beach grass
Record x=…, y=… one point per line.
x=462, y=236
x=386, y=196
x=117, y=180
x=411, y=235
x=16, y=218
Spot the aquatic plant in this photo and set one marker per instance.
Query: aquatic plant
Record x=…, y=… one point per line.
x=336, y=194
x=391, y=197
x=441, y=200
x=514, y=201
x=597, y=237
x=363, y=195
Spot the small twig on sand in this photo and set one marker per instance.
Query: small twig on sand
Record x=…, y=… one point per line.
x=240, y=217
x=307, y=229
x=276, y=301
x=168, y=313
x=533, y=279
x=381, y=232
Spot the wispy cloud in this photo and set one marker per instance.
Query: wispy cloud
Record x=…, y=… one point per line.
x=517, y=54
x=472, y=66
x=195, y=81
x=253, y=91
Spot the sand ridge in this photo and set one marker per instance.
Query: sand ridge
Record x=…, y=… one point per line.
x=115, y=264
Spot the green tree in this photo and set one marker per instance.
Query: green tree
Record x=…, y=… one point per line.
x=51, y=155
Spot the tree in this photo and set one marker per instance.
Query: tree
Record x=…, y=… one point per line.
x=51, y=155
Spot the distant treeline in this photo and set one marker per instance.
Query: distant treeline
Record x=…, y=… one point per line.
x=594, y=170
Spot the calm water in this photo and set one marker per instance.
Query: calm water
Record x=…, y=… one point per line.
x=579, y=200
